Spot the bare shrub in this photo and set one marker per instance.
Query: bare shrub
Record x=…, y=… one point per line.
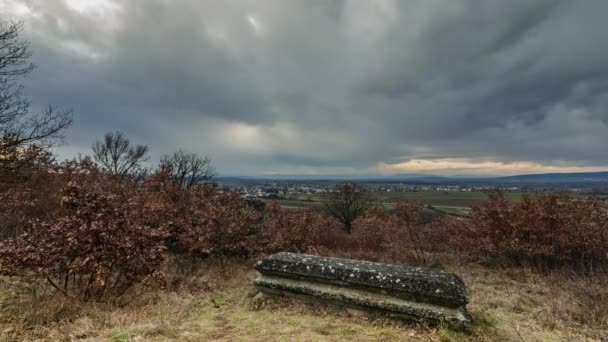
x=188, y=169
x=115, y=154
x=19, y=127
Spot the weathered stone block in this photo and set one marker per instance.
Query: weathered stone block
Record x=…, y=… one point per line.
x=411, y=291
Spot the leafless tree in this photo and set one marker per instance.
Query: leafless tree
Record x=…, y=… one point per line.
x=116, y=155
x=188, y=169
x=348, y=202
x=18, y=126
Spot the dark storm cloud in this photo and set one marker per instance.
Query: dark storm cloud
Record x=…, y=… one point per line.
x=324, y=86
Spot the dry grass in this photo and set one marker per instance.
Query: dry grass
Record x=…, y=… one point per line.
x=505, y=305
x=520, y=305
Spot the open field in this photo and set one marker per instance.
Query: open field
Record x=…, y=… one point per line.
x=439, y=198
x=451, y=202
x=505, y=306
x=456, y=203
x=453, y=210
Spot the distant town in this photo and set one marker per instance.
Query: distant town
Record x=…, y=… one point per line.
x=276, y=189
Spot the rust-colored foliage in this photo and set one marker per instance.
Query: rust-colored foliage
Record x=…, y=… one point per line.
x=99, y=246
x=401, y=234
x=93, y=235
x=28, y=189
x=292, y=230
x=223, y=224
x=217, y=223
x=542, y=231
x=413, y=236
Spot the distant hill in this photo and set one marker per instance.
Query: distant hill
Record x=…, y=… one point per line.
x=554, y=178
x=577, y=177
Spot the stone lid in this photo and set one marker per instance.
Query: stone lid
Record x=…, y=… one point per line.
x=431, y=284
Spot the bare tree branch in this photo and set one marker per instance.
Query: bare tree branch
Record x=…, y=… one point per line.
x=19, y=128
x=116, y=155
x=188, y=169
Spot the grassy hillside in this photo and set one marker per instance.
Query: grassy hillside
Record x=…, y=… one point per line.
x=505, y=306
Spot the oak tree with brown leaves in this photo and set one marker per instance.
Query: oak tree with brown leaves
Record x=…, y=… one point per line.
x=100, y=246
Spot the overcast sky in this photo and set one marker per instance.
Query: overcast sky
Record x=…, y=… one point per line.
x=331, y=87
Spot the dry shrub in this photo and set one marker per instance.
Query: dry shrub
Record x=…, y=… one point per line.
x=400, y=235
x=291, y=230
x=544, y=231
x=204, y=222
x=28, y=191
x=100, y=245
x=218, y=224
x=414, y=238
x=370, y=237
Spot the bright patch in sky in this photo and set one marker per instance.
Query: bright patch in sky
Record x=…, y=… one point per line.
x=255, y=24
x=88, y=6
x=81, y=49
x=15, y=8
x=466, y=166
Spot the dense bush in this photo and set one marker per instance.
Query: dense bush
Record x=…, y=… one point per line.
x=543, y=231
x=292, y=230
x=222, y=224
x=92, y=235
x=369, y=239
x=403, y=234
x=99, y=246
x=219, y=224
x=27, y=189
x=415, y=237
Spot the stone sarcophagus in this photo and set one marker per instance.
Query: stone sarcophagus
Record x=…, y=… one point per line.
x=401, y=290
